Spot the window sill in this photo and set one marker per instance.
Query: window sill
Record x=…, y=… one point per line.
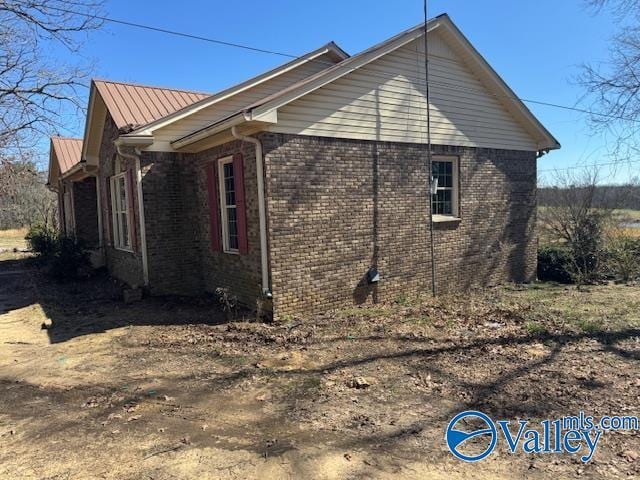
x=232, y=252
x=121, y=249
x=445, y=219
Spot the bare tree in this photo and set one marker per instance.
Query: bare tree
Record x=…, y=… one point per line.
x=24, y=199
x=614, y=86
x=35, y=88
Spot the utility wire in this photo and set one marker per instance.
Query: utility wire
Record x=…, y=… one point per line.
x=373, y=73
x=292, y=56
x=593, y=165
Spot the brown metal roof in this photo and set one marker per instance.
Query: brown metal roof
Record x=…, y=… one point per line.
x=136, y=105
x=68, y=152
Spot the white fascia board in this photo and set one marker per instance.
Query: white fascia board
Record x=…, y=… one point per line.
x=88, y=119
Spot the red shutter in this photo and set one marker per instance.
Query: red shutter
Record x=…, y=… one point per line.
x=132, y=215
x=241, y=210
x=214, y=224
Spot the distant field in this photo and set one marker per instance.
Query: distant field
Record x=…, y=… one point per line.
x=628, y=215
x=627, y=219
x=13, y=238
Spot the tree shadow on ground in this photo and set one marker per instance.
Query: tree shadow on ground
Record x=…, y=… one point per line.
x=95, y=305
x=15, y=284
x=492, y=393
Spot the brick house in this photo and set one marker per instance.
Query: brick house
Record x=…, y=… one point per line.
x=298, y=185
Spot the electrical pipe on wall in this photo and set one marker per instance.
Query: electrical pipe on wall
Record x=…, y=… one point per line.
x=264, y=258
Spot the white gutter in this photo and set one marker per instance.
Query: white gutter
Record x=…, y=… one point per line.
x=143, y=231
x=264, y=256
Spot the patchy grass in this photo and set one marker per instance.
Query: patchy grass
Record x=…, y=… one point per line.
x=589, y=326
x=610, y=307
x=364, y=311
x=535, y=328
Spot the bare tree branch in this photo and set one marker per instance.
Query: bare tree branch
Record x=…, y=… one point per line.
x=614, y=87
x=35, y=90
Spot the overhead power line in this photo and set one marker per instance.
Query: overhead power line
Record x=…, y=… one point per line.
x=292, y=56
x=593, y=165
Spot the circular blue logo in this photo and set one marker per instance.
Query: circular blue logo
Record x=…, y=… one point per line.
x=484, y=429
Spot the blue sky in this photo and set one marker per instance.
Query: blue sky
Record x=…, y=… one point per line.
x=537, y=47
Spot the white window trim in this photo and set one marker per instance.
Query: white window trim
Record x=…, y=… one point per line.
x=223, y=205
x=455, y=216
x=119, y=242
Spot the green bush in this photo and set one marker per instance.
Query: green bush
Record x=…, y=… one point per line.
x=70, y=260
x=43, y=241
x=65, y=258
x=554, y=264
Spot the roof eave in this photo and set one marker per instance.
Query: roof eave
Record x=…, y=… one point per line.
x=237, y=119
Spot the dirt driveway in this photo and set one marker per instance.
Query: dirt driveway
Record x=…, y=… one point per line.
x=168, y=389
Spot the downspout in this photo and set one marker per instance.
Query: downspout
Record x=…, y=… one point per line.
x=143, y=232
x=264, y=256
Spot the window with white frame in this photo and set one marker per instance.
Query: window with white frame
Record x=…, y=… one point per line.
x=444, y=194
x=119, y=184
x=228, y=205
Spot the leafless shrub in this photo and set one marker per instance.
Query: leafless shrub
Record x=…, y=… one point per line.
x=573, y=218
x=227, y=300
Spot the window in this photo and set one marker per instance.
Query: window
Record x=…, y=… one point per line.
x=228, y=205
x=120, y=210
x=444, y=198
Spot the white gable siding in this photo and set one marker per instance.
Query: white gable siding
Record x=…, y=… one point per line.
x=233, y=104
x=385, y=100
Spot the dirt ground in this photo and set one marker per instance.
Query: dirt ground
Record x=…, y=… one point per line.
x=171, y=389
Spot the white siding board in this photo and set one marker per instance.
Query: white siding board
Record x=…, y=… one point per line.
x=341, y=98
x=438, y=123
x=399, y=111
x=385, y=100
